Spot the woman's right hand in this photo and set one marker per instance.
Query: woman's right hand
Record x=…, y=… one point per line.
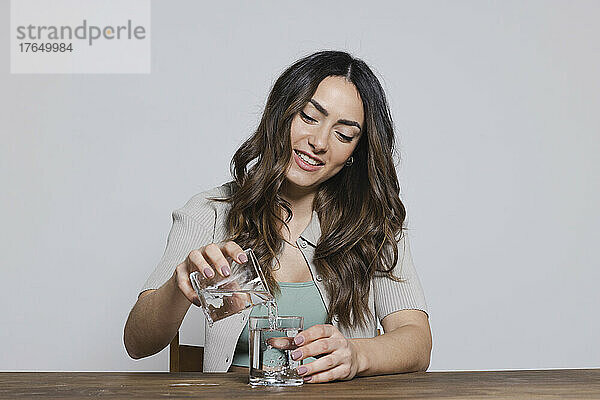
x=209, y=260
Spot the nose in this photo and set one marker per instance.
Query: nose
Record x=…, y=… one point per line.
x=318, y=139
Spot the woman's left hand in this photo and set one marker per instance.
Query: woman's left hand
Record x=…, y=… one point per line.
x=337, y=356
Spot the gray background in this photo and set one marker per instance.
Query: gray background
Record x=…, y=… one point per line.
x=496, y=105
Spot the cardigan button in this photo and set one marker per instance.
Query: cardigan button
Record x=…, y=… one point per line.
x=319, y=278
x=302, y=243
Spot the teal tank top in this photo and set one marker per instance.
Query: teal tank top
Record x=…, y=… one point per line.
x=296, y=298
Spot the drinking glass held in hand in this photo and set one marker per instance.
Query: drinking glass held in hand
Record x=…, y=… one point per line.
x=222, y=279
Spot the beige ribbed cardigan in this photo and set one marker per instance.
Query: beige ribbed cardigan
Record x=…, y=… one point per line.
x=200, y=222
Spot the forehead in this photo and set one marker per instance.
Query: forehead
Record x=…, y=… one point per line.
x=340, y=98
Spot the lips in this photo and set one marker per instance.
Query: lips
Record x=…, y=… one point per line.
x=310, y=156
x=303, y=164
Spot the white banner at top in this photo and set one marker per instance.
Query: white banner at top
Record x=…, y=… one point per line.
x=80, y=36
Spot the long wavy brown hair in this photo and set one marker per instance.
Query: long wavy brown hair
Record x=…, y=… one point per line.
x=348, y=254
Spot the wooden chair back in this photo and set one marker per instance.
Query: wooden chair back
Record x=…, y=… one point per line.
x=185, y=357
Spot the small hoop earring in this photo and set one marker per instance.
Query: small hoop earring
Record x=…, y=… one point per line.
x=350, y=161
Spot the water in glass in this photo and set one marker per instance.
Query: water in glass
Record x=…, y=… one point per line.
x=271, y=341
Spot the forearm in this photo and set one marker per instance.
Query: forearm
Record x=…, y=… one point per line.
x=154, y=320
x=405, y=349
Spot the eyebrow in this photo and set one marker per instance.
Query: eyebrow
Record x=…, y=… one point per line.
x=341, y=121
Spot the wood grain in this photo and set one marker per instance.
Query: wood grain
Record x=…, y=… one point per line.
x=547, y=384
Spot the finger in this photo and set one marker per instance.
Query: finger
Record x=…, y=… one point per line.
x=237, y=301
x=197, y=261
x=233, y=250
x=282, y=343
x=320, y=346
x=340, y=372
x=215, y=257
x=184, y=284
x=313, y=333
x=232, y=286
x=322, y=364
x=241, y=301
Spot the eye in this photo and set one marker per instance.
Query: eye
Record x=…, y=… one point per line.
x=344, y=137
x=306, y=117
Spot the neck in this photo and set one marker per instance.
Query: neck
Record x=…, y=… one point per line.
x=300, y=199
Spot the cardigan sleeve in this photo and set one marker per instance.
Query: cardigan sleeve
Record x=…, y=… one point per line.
x=390, y=295
x=193, y=227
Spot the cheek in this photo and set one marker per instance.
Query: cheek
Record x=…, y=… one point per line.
x=341, y=152
x=295, y=130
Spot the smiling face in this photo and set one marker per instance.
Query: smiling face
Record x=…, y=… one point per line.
x=324, y=134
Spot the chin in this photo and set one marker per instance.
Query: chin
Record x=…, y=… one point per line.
x=301, y=181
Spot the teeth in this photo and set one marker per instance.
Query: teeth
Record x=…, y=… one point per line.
x=307, y=159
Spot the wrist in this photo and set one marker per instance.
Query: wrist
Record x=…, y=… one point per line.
x=177, y=297
x=362, y=360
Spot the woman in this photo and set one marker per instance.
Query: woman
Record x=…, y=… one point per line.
x=316, y=196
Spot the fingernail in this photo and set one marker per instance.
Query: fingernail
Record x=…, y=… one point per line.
x=296, y=354
x=298, y=340
x=225, y=270
x=302, y=370
x=209, y=272
x=307, y=378
x=243, y=257
x=197, y=302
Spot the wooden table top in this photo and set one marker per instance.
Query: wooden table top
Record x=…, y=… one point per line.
x=545, y=384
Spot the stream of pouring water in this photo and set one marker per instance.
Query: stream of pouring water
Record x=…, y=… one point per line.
x=272, y=313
